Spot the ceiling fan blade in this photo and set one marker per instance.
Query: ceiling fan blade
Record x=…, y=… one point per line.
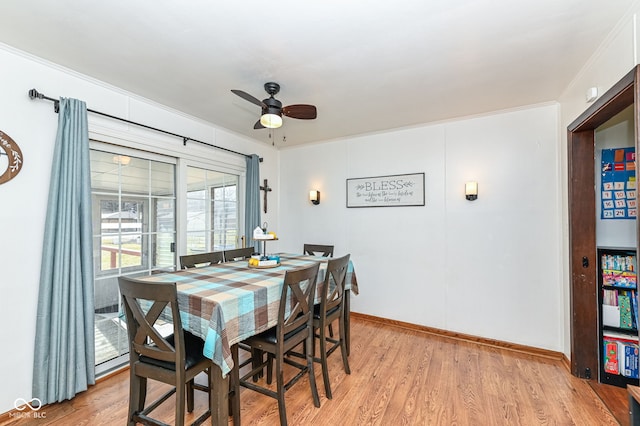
x=301, y=111
x=248, y=97
x=258, y=125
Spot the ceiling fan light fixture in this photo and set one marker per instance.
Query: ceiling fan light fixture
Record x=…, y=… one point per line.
x=271, y=120
x=272, y=109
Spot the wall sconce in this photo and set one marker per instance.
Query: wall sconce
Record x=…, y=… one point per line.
x=314, y=196
x=471, y=190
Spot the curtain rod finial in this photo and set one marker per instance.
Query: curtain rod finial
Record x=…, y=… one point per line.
x=33, y=94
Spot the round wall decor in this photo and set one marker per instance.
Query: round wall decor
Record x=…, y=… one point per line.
x=14, y=156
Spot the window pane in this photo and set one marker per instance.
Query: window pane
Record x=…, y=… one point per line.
x=109, y=254
x=196, y=242
x=162, y=179
x=121, y=230
x=135, y=177
x=104, y=172
x=196, y=181
x=225, y=217
x=164, y=255
x=111, y=339
x=165, y=215
x=196, y=214
x=212, y=210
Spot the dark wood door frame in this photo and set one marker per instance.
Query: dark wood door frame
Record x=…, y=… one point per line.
x=582, y=222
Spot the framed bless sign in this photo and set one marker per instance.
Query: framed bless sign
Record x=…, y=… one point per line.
x=386, y=191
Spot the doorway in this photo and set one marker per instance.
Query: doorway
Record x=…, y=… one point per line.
x=582, y=221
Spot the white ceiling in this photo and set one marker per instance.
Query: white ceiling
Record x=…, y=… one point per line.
x=367, y=65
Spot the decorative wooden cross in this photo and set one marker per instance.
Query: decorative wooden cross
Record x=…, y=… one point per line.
x=266, y=189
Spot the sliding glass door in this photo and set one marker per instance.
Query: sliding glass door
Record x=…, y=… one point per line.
x=134, y=222
x=137, y=211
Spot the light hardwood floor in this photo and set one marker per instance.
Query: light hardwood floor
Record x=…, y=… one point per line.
x=398, y=377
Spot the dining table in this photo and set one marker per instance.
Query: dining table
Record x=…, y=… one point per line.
x=228, y=302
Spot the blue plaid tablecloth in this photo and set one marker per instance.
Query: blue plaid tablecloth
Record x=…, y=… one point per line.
x=226, y=303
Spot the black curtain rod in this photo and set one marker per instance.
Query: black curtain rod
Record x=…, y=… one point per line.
x=34, y=94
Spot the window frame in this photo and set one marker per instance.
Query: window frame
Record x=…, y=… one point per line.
x=159, y=147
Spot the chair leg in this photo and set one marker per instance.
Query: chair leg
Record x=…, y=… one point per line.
x=143, y=393
x=323, y=361
x=312, y=375
x=270, y=369
x=257, y=355
x=137, y=396
x=280, y=388
x=190, y=392
x=343, y=344
x=180, y=401
x=347, y=320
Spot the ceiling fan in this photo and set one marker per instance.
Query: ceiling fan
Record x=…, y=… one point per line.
x=272, y=109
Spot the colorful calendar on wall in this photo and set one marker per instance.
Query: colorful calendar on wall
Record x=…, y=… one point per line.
x=619, y=184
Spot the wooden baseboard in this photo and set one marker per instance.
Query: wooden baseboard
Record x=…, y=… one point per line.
x=567, y=363
x=530, y=350
x=5, y=417
x=11, y=415
x=112, y=373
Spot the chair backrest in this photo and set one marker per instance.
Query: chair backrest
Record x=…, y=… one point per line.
x=332, y=290
x=144, y=304
x=201, y=259
x=296, y=300
x=238, y=254
x=314, y=249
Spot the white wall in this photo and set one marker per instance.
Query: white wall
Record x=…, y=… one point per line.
x=23, y=200
x=489, y=268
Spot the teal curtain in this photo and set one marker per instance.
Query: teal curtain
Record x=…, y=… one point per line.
x=64, y=361
x=252, y=200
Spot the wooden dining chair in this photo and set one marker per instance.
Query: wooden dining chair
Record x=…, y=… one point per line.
x=330, y=309
x=175, y=359
x=318, y=249
x=294, y=327
x=324, y=251
x=238, y=254
x=201, y=259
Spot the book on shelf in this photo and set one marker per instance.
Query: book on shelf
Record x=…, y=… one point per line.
x=619, y=270
x=611, y=315
x=620, y=308
x=611, y=357
x=620, y=336
x=624, y=302
x=621, y=356
x=634, y=308
x=619, y=262
x=630, y=356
